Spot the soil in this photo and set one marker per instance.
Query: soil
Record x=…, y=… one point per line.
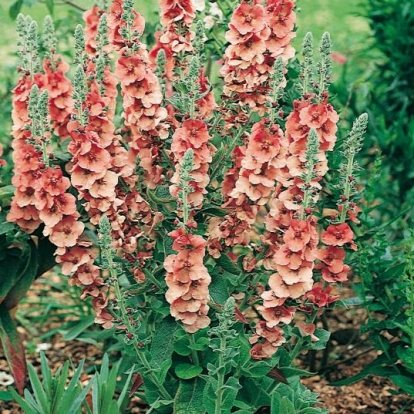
x=348, y=353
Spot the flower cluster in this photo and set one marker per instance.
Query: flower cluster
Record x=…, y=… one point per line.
x=187, y=280
x=193, y=134
x=176, y=16
x=258, y=35
x=56, y=82
x=292, y=236
x=140, y=88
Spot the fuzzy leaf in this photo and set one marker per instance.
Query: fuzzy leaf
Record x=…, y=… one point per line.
x=162, y=345
x=218, y=289
x=231, y=388
x=227, y=264
x=189, y=397
x=187, y=371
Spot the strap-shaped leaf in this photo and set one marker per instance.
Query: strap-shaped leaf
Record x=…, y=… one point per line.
x=13, y=348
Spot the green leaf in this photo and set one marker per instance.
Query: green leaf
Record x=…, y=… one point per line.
x=15, y=8
x=6, y=396
x=189, y=397
x=323, y=337
x=227, y=264
x=38, y=390
x=313, y=410
x=187, y=371
x=50, y=5
x=405, y=383
x=6, y=227
x=282, y=405
x=218, y=289
x=214, y=211
x=376, y=367
x=24, y=278
x=182, y=345
x=79, y=399
x=289, y=372
x=162, y=345
x=76, y=330
x=231, y=388
x=27, y=408
x=253, y=391
x=256, y=369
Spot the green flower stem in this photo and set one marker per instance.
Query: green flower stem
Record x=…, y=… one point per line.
x=298, y=346
x=194, y=354
x=152, y=279
x=186, y=209
x=347, y=188
x=245, y=302
x=218, y=163
x=125, y=319
x=220, y=375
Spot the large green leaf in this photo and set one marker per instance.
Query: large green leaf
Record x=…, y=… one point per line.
x=162, y=345
x=13, y=348
x=25, y=277
x=9, y=267
x=189, y=397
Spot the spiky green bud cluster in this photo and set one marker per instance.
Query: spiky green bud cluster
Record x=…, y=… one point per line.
x=311, y=160
x=38, y=113
x=49, y=39
x=324, y=67
x=28, y=44
x=80, y=90
x=80, y=57
x=349, y=168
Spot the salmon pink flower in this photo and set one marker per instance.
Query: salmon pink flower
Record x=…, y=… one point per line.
x=314, y=116
x=329, y=276
x=333, y=257
x=307, y=329
x=278, y=314
x=66, y=233
x=72, y=259
x=298, y=235
x=282, y=290
x=248, y=18
x=320, y=296
x=337, y=235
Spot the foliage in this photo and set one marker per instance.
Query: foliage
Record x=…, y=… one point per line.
x=59, y=394
x=381, y=76
x=208, y=235
x=385, y=269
